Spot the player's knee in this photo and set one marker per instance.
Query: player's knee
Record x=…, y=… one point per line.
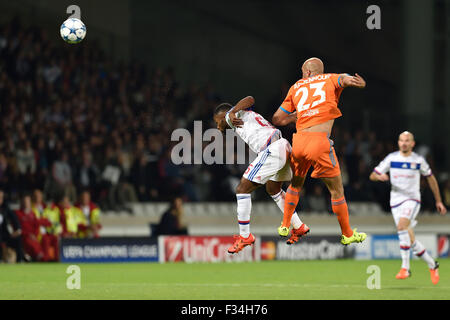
x=297, y=182
x=402, y=227
x=273, y=189
x=241, y=189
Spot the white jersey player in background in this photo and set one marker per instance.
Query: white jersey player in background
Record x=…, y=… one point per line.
x=271, y=167
x=405, y=168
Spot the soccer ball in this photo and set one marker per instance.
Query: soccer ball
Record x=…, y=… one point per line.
x=73, y=31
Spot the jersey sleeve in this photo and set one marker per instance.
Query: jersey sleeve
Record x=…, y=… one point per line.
x=425, y=169
x=383, y=167
x=337, y=81
x=288, y=105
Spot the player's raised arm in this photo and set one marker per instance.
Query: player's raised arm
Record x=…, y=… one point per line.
x=432, y=182
x=355, y=81
x=245, y=103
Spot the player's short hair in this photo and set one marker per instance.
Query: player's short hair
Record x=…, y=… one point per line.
x=223, y=107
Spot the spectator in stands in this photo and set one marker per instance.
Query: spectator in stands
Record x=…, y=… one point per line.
x=91, y=226
x=62, y=177
x=31, y=230
x=140, y=176
x=171, y=221
x=3, y=171
x=26, y=163
x=10, y=233
x=87, y=173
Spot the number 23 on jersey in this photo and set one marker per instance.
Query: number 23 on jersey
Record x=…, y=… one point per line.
x=308, y=96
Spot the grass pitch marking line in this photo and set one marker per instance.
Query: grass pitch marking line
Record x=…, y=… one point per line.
x=269, y=285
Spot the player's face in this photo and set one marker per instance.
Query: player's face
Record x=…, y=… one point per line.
x=220, y=121
x=405, y=143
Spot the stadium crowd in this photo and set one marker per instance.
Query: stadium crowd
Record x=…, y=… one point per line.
x=73, y=120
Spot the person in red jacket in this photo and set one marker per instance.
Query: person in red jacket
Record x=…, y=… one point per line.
x=31, y=233
x=49, y=235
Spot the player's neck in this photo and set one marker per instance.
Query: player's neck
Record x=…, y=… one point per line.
x=406, y=154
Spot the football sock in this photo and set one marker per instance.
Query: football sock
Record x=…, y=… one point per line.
x=340, y=208
x=244, y=208
x=419, y=250
x=405, y=245
x=290, y=203
x=279, y=200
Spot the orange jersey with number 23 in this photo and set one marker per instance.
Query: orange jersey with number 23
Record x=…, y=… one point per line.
x=315, y=99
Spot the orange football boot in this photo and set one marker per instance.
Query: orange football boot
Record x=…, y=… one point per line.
x=434, y=273
x=403, y=274
x=240, y=243
x=296, y=234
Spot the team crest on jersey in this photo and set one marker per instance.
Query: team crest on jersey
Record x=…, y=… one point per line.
x=413, y=166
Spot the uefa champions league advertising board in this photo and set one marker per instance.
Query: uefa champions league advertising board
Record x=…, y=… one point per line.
x=109, y=250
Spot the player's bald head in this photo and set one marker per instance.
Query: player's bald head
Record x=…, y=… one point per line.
x=406, y=135
x=312, y=67
x=406, y=142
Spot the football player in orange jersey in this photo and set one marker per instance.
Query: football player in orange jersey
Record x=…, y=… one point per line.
x=314, y=99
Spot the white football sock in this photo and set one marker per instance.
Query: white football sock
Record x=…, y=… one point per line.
x=419, y=250
x=279, y=200
x=244, y=209
x=405, y=245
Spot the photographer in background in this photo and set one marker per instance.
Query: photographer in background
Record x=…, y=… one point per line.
x=171, y=220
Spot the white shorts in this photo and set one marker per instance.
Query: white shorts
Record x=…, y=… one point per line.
x=271, y=164
x=409, y=210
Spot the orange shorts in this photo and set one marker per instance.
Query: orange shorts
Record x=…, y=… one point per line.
x=314, y=149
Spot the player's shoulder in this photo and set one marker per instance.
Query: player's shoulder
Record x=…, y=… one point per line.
x=418, y=157
x=393, y=155
x=248, y=115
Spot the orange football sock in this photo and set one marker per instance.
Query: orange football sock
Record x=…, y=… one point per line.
x=290, y=203
x=340, y=208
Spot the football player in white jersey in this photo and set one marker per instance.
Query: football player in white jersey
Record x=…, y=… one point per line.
x=405, y=168
x=270, y=168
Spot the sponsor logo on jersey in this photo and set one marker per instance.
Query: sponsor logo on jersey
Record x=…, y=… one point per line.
x=310, y=113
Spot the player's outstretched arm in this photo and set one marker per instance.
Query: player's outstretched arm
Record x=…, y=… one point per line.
x=355, y=81
x=245, y=103
x=281, y=118
x=432, y=182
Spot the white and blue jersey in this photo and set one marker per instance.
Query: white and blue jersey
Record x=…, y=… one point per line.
x=404, y=173
x=257, y=132
x=272, y=162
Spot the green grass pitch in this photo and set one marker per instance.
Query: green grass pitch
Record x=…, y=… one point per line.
x=299, y=280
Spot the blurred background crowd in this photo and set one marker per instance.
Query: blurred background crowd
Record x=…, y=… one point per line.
x=75, y=122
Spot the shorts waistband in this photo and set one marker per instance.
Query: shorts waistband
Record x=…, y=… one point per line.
x=308, y=133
